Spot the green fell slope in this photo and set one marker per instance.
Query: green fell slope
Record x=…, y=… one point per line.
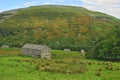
x=57, y=26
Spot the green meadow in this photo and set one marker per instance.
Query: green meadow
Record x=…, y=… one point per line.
x=62, y=66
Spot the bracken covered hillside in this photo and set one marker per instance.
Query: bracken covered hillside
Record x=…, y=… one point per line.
x=57, y=26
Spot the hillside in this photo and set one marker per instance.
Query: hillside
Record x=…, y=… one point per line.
x=57, y=26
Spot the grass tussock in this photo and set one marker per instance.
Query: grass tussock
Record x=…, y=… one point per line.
x=61, y=66
x=98, y=73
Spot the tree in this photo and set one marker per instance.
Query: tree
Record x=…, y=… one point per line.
x=109, y=48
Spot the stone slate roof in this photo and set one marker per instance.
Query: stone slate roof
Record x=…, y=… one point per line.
x=35, y=46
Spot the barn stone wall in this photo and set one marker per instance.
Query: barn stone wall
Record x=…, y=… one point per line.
x=39, y=51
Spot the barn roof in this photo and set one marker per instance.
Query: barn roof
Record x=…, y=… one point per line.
x=35, y=46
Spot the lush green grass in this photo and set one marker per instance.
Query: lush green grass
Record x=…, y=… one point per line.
x=17, y=67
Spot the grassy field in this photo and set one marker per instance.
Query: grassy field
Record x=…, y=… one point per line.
x=62, y=66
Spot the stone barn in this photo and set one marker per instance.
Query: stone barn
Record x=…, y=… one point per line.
x=5, y=46
x=67, y=50
x=36, y=50
x=83, y=52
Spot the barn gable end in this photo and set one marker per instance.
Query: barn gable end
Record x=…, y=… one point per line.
x=36, y=50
